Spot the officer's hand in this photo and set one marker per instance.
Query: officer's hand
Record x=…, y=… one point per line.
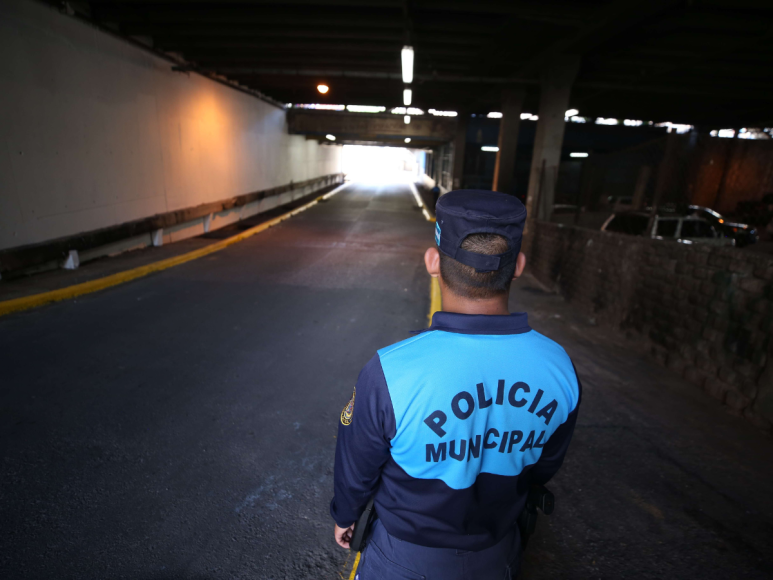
x=344, y=536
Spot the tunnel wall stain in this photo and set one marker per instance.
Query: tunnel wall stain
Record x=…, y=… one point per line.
x=705, y=311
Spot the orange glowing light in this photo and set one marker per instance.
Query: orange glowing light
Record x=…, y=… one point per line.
x=323, y=89
x=721, y=221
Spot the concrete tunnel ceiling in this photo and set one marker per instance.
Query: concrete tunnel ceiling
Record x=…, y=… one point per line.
x=703, y=62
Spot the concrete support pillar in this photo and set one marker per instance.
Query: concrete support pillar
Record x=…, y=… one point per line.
x=504, y=169
x=555, y=87
x=459, y=145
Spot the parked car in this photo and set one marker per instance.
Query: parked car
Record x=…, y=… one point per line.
x=743, y=234
x=684, y=229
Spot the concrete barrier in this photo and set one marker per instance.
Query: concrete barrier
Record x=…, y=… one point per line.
x=706, y=311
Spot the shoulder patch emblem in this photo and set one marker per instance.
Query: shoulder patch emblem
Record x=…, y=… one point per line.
x=346, y=414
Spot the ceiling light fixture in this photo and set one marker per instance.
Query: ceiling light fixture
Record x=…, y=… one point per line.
x=365, y=109
x=571, y=113
x=407, y=96
x=407, y=139
x=490, y=148
x=407, y=119
x=443, y=113
x=331, y=137
x=406, y=55
x=323, y=89
x=578, y=154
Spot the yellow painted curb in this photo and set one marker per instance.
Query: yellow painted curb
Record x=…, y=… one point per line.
x=424, y=210
x=35, y=300
x=354, y=567
x=435, y=302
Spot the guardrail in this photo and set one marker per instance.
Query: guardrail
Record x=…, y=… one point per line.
x=64, y=251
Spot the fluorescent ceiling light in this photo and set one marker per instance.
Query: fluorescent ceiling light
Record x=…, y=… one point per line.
x=407, y=119
x=572, y=113
x=407, y=139
x=331, y=137
x=578, y=154
x=490, y=148
x=632, y=122
x=407, y=96
x=364, y=109
x=679, y=128
x=406, y=56
x=443, y=113
x=495, y=115
x=752, y=133
x=609, y=121
x=528, y=117
x=406, y=111
x=726, y=133
x=323, y=89
x=320, y=106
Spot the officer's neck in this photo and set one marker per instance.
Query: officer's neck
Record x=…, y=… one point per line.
x=461, y=305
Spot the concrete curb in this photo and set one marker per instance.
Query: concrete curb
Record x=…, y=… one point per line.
x=35, y=300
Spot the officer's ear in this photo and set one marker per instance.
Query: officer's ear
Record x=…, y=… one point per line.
x=432, y=261
x=520, y=264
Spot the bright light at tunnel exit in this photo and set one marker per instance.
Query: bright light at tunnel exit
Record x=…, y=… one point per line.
x=406, y=56
x=323, y=89
x=380, y=165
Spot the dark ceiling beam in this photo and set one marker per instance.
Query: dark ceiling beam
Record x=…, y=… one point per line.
x=755, y=92
x=362, y=74
x=228, y=14
x=706, y=89
x=608, y=22
x=563, y=14
x=719, y=72
x=216, y=48
x=224, y=64
x=276, y=3
x=687, y=52
x=205, y=31
x=708, y=54
x=699, y=19
x=697, y=40
x=709, y=90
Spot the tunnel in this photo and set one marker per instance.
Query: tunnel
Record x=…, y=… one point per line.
x=214, y=215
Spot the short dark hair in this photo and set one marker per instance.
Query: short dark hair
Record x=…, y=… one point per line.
x=466, y=281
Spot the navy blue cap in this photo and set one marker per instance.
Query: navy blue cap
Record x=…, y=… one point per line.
x=470, y=211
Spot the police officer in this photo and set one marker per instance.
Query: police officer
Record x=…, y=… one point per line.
x=448, y=429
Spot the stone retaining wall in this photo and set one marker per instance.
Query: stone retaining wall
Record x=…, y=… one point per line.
x=705, y=310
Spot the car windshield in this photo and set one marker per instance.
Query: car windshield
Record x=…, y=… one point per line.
x=696, y=229
x=667, y=228
x=631, y=224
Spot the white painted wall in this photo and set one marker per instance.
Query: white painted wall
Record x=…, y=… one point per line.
x=95, y=132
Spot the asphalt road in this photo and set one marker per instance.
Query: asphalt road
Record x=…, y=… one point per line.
x=183, y=425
